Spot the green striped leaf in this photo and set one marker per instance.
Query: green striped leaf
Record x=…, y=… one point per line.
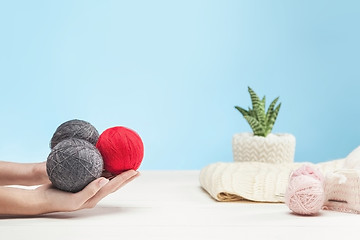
x=271, y=109
x=252, y=113
x=255, y=100
x=263, y=100
x=272, y=119
x=257, y=128
x=260, y=112
x=242, y=111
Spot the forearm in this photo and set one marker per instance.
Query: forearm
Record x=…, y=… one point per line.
x=47, y=199
x=22, y=173
x=16, y=201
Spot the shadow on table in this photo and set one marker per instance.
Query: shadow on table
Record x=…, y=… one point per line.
x=84, y=213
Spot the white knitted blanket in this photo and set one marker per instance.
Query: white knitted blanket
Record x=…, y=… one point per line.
x=255, y=181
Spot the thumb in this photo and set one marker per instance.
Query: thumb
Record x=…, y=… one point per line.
x=91, y=189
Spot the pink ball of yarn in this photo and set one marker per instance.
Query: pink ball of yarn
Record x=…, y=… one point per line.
x=308, y=170
x=305, y=195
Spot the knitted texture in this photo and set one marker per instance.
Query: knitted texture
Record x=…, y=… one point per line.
x=305, y=192
x=255, y=181
x=275, y=148
x=342, y=191
x=73, y=163
x=342, y=187
x=308, y=170
x=75, y=129
x=121, y=148
x=352, y=160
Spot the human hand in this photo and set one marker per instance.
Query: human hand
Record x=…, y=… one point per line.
x=39, y=174
x=54, y=200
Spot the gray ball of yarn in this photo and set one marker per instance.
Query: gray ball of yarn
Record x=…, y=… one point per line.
x=75, y=129
x=73, y=163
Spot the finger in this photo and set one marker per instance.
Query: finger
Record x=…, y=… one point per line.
x=107, y=175
x=127, y=181
x=90, y=190
x=117, y=182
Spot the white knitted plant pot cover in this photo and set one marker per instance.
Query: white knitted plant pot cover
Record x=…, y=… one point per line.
x=274, y=148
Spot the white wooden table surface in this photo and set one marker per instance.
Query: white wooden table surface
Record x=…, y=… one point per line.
x=172, y=205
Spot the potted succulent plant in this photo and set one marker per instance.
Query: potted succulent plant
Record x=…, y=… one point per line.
x=261, y=145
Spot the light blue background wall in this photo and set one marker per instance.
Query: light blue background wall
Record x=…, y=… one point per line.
x=173, y=71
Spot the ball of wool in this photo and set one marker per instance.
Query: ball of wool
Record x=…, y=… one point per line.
x=73, y=163
x=308, y=170
x=121, y=148
x=305, y=195
x=75, y=129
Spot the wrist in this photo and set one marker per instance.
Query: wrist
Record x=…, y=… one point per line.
x=40, y=202
x=39, y=173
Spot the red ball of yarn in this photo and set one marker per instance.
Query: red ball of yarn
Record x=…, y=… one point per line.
x=121, y=148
